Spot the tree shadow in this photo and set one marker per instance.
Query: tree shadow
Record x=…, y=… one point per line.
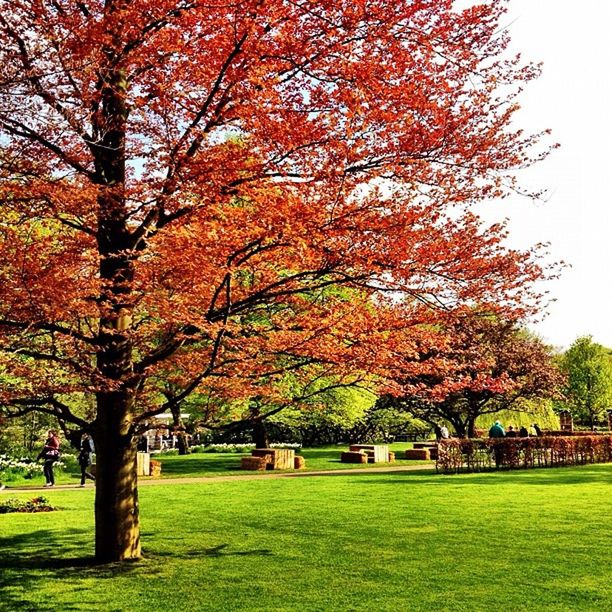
x=30, y=559
x=215, y=552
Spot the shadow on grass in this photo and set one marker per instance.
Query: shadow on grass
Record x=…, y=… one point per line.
x=31, y=559
x=214, y=552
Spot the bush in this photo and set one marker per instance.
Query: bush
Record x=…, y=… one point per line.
x=36, y=504
x=474, y=455
x=567, y=434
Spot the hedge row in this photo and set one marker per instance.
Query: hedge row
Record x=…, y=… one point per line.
x=552, y=432
x=475, y=455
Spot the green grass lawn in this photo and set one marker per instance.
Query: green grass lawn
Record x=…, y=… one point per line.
x=529, y=540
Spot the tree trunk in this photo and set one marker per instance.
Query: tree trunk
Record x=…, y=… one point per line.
x=461, y=428
x=116, y=508
x=471, y=428
x=183, y=445
x=179, y=430
x=260, y=434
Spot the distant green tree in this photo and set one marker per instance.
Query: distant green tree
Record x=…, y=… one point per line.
x=588, y=390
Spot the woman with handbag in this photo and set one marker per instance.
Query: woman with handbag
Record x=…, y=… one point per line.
x=50, y=453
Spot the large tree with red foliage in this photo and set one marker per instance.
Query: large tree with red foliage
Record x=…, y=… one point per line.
x=473, y=366
x=183, y=184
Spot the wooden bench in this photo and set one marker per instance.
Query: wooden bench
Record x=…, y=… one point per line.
x=379, y=453
x=353, y=457
x=253, y=463
x=418, y=453
x=276, y=458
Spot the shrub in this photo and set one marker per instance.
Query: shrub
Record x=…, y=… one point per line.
x=474, y=455
x=36, y=504
x=569, y=434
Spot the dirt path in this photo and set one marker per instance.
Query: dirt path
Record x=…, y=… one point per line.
x=267, y=475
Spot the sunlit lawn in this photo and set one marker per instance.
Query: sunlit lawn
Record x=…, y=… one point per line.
x=529, y=540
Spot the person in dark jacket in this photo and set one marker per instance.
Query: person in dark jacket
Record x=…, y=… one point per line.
x=537, y=429
x=85, y=457
x=523, y=433
x=497, y=431
x=50, y=454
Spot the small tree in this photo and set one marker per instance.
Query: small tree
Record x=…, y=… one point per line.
x=588, y=389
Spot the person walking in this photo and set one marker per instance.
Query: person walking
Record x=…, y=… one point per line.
x=85, y=457
x=50, y=454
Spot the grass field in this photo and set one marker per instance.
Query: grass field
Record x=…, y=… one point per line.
x=532, y=540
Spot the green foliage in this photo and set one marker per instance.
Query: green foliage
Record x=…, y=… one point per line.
x=528, y=411
x=328, y=406
x=25, y=435
x=588, y=367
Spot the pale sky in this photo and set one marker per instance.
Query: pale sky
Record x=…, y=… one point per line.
x=573, y=97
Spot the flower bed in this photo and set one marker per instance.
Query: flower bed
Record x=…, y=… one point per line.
x=24, y=467
x=12, y=468
x=475, y=455
x=36, y=504
x=238, y=448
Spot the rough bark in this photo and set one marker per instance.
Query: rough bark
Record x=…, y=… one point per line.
x=116, y=507
x=179, y=431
